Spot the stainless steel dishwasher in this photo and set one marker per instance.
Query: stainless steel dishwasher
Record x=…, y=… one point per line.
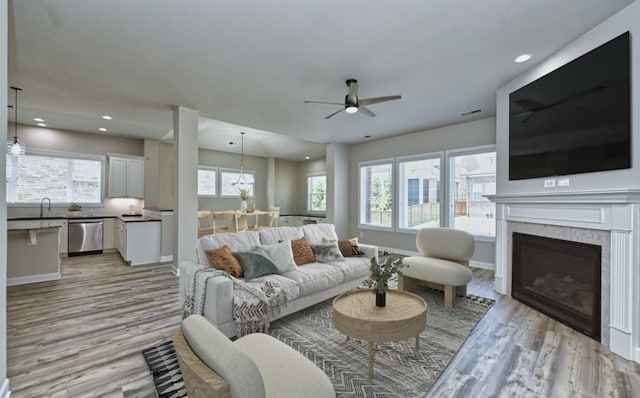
x=85, y=236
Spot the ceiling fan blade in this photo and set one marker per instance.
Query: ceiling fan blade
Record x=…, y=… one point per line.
x=366, y=111
x=375, y=100
x=321, y=102
x=335, y=113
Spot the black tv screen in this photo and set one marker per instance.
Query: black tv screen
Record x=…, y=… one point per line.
x=576, y=119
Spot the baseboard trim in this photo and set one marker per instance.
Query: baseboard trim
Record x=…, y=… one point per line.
x=166, y=259
x=483, y=265
x=4, y=389
x=23, y=280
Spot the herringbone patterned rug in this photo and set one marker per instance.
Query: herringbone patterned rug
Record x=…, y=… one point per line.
x=399, y=370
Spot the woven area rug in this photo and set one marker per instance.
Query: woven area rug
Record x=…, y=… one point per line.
x=399, y=369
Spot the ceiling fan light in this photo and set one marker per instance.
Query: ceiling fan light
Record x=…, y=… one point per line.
x=351, y=109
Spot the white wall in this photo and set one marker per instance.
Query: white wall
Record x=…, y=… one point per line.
x=626, y=20
x=305, y=169
x=286, y=176
x=232, y=161
x=476, y=133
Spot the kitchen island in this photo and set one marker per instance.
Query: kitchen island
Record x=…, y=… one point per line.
x=33, y=250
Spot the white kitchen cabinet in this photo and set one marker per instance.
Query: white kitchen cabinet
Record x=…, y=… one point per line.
x=285, y=221
x=120, y=237
x=108, y=234
x=64, y=237
x=126, y=177
x=138, y=242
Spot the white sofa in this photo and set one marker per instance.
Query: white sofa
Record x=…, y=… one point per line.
x=307, y=285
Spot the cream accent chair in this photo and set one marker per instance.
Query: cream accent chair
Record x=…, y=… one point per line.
x=253, y=366
x=206, y=224
x=444, y=264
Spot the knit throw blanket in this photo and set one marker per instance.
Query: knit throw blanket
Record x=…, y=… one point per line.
x=255, y=302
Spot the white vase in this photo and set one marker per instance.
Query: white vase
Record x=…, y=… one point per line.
x=243, y=206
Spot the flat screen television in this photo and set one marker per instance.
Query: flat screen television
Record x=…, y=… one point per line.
x=576, y=119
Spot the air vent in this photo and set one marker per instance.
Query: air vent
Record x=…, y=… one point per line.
x=471, y=112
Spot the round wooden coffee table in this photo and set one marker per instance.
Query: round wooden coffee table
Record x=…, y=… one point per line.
x=356, y=315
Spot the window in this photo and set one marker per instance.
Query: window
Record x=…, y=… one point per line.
x=376, y=194
x=474, y=174
x=317, y=193
x=61, y=178
x=413, y=185
x=227, y=179
x=419, y=176
x=207, y=181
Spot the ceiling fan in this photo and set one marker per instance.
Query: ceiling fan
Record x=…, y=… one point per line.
x=351, y=102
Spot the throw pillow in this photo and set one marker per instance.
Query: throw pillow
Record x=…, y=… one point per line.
x=326, y=252
x=279, y=254
x=345, y=248
x=355, y=249
x=255, y=265
x=222, y=259
x=302, y=252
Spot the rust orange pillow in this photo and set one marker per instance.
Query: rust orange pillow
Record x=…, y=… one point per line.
x=224, y=260
x=302, y=252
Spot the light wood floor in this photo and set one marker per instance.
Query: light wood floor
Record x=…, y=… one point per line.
x=515, y=351
x=82, y=336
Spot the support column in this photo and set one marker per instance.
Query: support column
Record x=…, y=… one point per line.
x=271, y=183
x=338, y=188
x=185, y=155
x=4, y=381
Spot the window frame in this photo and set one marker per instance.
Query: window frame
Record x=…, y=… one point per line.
x=222, y=170
x=378, y=162
x=450, y=186
x=397, y=186
x=68, y=156
x=217, y=182
x=309, y=194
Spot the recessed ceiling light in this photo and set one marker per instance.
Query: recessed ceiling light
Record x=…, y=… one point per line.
x=307, y=157
x=107, y=117
x=522, y=58
x=42, y=125
x=367, y=136
x=233, y=143
x=102, y=129
x=37, y=119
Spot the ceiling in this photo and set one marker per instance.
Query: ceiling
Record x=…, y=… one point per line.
x=252, y=64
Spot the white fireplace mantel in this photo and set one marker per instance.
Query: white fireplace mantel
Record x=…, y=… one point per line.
x=616, y=211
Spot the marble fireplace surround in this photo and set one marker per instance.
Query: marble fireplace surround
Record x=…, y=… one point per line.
x=608, y=218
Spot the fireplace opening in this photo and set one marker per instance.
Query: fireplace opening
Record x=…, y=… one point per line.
x=560, y=279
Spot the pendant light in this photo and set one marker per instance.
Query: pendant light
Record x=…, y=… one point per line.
x=242, y=180
x=15, y=146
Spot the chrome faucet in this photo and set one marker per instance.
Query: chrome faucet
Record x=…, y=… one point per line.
x=48, y=209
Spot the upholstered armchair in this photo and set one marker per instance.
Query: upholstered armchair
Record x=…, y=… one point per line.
x=444, y=263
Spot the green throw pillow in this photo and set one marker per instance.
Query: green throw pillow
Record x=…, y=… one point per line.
x=255, y=265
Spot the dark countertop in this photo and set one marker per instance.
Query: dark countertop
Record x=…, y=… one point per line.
x=304, y=215
x=137, y=218
x=56, y=218
x=156, y=209
x=123, y=217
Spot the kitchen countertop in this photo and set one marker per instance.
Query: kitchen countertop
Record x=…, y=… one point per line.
x=137, y=218
x=123, y=217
